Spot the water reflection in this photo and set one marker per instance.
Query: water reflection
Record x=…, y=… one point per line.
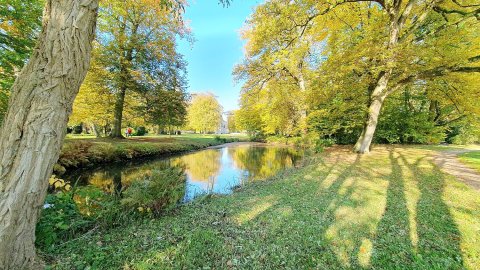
x=208, y=171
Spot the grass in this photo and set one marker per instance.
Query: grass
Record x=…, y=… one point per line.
x=391, y=209
x=472, y=159
x=448, y=148
x=81, y=151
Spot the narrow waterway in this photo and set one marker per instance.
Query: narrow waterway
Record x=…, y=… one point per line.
x=213, y=170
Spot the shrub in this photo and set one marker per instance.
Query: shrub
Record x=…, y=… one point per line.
x=161, y=190
x=220, y=139
x=257, y=137
x=77, y=129
x=140, y=131
x=67, y=214
x=322, y=143
x=74, y=153
x=61, y=220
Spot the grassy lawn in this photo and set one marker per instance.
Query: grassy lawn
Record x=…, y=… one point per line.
x=472, y=159
x=392, y=209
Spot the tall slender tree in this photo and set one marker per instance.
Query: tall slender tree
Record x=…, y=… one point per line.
x=135, y=34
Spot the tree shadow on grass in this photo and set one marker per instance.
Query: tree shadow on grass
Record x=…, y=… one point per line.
x=392, y=245
x=438, y=234
x=431, y=240
x=283, y=229
x=311, y=220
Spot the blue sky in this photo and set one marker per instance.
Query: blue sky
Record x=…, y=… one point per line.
x=217, y=48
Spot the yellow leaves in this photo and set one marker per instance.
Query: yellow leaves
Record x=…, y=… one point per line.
x=142, y=209
x=204, y=113
x=59, y=184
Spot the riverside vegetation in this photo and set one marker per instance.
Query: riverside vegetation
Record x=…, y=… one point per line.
x=80, y=153
x=348, y=72
x=388, y=210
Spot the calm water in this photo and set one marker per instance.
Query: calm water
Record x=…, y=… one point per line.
x=214, y=170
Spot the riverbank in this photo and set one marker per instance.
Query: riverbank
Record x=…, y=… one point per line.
x=84, y=152
x=391, y=209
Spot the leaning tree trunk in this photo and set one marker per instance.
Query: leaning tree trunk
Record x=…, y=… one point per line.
x=380, y=92
x=376, y=101
x=35, y=124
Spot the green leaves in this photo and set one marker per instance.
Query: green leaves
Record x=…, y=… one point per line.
x=204, y=113
x=20, y=21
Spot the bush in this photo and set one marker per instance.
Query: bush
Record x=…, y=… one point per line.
x=322, y=143
x=162, y=190
x=67, y=214
x=61, y=220
x=74, y=153
x=140, y=131
x=77, y=129
x=220, y=139
x=257, y=137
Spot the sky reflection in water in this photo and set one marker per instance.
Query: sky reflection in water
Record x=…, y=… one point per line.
x=208, y=171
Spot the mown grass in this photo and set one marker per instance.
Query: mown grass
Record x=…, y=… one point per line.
x=85, y=151
x=392, y=209
x=472, y=159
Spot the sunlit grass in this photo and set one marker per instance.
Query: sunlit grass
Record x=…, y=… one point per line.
x=472, y=159
x=391, y=209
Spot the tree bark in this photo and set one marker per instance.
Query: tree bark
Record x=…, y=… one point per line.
x=118, y=113
x=35, y=124
x=96, y=130
x=376, y=102
x=303, y=110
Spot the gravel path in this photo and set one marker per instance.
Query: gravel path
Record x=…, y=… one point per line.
x=449, y=163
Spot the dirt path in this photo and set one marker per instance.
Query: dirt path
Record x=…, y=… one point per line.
x=449, y=163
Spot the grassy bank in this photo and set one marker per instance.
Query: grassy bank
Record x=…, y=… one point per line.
x=85, y=151
x=392, y=209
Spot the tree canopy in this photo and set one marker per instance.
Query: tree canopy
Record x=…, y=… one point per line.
x=340, y=60
x=204, y=113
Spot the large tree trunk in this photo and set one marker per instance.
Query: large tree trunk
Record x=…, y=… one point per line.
x=376, y=101
x=35, y=124
x=118, y=114
x=96, y=130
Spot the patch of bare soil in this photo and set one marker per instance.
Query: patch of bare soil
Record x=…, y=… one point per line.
x=449, y=163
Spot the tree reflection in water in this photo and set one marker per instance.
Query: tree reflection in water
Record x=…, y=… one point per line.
x=208, y=171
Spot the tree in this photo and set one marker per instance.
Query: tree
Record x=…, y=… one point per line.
x=373, y=47
x=411, y=35
x=20, y=21
x=232, y=122
x=35, y=123
x=271, y=65
x=166, y=109
x=95, y=100
x=135, y=34
x=204, y=113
